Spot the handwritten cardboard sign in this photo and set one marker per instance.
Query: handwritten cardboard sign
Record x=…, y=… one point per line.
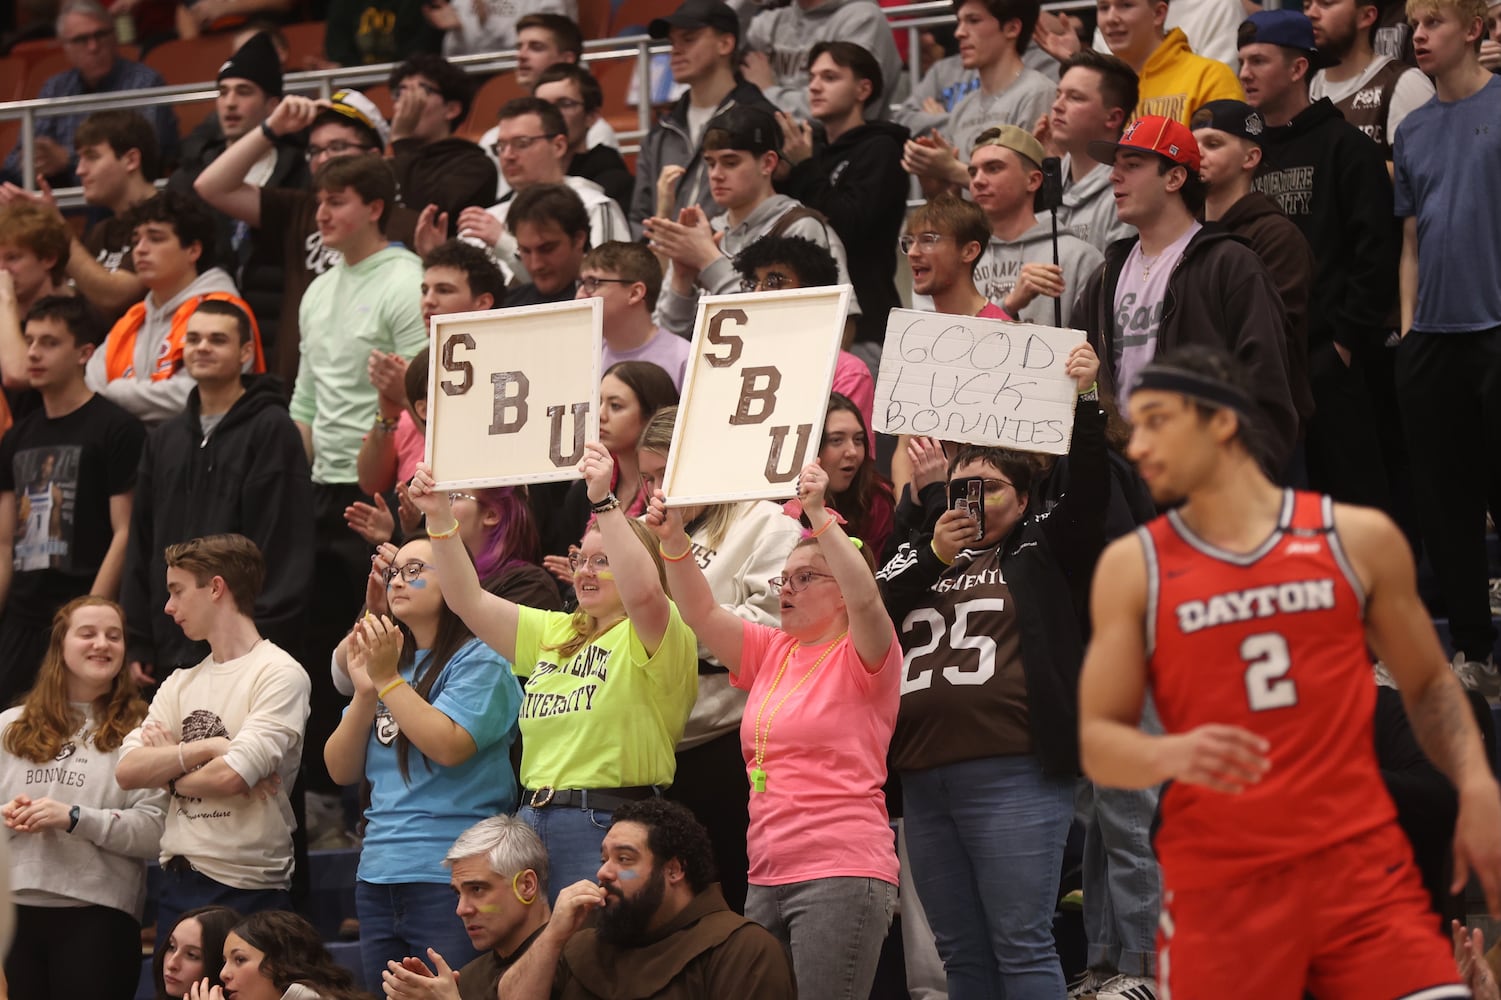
x=755, y=394
x=513, y=394
x=976, y=381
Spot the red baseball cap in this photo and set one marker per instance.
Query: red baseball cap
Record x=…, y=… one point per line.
x=1167, y=137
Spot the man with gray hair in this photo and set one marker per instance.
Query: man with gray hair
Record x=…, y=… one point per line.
x=500, y=876
x=87, y=33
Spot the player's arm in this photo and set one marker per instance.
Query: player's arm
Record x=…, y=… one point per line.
x=1112, y=689
x=1400, y=632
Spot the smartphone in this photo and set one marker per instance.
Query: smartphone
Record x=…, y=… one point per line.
x=968, y=495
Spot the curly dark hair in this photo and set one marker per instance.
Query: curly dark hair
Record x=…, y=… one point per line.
x=453, y=83
x=188, y=217
x=814, y=264
x=672, y=831
x=294, y=953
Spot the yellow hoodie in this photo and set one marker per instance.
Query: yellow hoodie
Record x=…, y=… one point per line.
x=1175, y=83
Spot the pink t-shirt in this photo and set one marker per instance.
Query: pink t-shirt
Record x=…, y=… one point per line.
x=823, y=814
x=993, y=311
x=411, y=444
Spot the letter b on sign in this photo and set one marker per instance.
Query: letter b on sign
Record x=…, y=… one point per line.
x=762, y=397
x=508, y=401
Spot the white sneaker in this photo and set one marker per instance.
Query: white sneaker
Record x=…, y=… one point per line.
x=1087, y=986
x=1478, y=675
x=1128, y=988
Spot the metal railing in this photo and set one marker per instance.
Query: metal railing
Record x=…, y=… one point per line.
x=913, y=18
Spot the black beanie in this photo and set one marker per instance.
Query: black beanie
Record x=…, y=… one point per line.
x=257, y=62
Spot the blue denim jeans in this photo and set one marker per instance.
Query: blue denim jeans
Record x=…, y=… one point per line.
x=182, y=891
x=407, y=918
x=834, y=928
x=572, y=837
x=986, y=840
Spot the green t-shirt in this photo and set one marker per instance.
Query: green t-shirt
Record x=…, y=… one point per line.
x=610, y=716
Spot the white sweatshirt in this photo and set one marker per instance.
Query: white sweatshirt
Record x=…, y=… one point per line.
x=103, y=861
x=260, y=701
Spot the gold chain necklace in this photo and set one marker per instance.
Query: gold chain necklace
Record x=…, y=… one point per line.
x=763, y=736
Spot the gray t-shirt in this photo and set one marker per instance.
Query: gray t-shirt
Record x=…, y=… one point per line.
x=1020, y=103
x=1139, y=299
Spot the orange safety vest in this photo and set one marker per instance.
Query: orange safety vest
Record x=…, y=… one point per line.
x=120, y=347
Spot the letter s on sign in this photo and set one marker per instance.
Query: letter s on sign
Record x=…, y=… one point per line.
x=461, y=367
x=735, y=344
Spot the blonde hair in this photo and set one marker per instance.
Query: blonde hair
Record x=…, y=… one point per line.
x=1467, y=10
x=587, y=628
x=656, y=438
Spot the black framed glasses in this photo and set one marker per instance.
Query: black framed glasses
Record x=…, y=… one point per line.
x=591, y=285
x=410, y=570
x=771, y=281
x=91, y=38
x=596, y=564
x=520, y=143
x=336, y=148
x=566, y=104
x=797, y=582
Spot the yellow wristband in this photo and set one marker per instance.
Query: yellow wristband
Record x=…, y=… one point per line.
x=934, y=546
x=390, y=687
x=438, y=536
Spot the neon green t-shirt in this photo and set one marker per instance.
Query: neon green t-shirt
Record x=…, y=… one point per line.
x=609, y=716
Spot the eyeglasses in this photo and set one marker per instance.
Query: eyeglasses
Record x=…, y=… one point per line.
x=409, y=571
x=336, y=148
x=591, y=285
x=521, y=143
x=567, y=104
x=926, y=241
x=797, y=582
x=454, y=496
x=770, y=282
x=596, y=564
x=96, y=37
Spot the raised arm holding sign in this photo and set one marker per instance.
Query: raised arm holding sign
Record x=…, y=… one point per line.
x=977, y=381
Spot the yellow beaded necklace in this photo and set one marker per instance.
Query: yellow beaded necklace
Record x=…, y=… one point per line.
x=763, y=735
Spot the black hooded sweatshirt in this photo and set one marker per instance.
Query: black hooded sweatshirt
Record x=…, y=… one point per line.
x=1331, y=181
x=859, y=185
x=250, y=476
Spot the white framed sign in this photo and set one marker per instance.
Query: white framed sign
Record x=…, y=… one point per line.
x=754, y=394
x=977, y=381
x=513, y=394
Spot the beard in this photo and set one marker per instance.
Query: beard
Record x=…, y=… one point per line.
x=624, y=924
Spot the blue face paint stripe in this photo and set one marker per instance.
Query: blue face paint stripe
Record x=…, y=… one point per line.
x=417, y=584
x=626, y=875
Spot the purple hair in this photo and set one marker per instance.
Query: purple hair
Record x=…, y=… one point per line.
x=513, y=540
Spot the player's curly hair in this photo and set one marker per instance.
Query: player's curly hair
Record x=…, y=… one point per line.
x=673, y=832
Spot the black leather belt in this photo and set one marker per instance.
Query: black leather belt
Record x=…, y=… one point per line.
x=604, y=799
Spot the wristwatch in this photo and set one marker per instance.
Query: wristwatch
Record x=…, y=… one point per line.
x=73, y=818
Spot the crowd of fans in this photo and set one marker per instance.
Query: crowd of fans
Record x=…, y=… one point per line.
x=596, y=739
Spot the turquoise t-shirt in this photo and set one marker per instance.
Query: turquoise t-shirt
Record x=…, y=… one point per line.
x=411, y=825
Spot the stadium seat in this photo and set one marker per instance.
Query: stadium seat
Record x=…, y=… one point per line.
x=632, y=16
x=41, y=65
x=497, y=90
x=614, y=78
x=195, y=61
x=304, y=40
x=34, y=47
x=594, y=18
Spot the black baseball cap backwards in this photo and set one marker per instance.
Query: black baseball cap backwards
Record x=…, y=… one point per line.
x=1234, y=117
x=751, y=129
x=698, y=14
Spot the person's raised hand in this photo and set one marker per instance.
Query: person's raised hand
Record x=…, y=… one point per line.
x=573, y=907
x=688, y=241
x=756, y=67
x=441, y=15
x=797, y=138
x=39, y=815
x=1219, y=757
x=1036, y=278
x=667, y=188
x=407, y=113
x=954, y=532
x=480, y=224
x=388, y=373
x=561, y=567
x=1057, y=35
x=431, y=230
x=378, y=642
x=203, y=990
x=411, y=517
x=1490, y=55
x=372, y=523
x=293, y=114
x=49, y=156
x=1469, y=955
x=812, y=487
x=598, y=468
x=411, y=979
x=929, y=463
x=433, y=502
x=1083, y=366
x=665, y=522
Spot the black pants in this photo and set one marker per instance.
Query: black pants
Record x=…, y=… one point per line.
x=23, y=644
x=1345, y=457
x=67, y=952
x=1449, y=389
x=710, y=781
x=341, y=565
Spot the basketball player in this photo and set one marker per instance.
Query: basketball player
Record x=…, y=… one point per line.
x=1249, y=610
x=39, y=512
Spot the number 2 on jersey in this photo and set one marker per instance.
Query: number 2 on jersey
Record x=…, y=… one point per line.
x=958, y=639
x=1267, y=664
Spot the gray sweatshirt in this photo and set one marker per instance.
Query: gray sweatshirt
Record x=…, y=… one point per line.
x=1088, y=209
x=677, y=312
x=1021, y=103
x=1002, y=262
x=787, y=34
x=103, y=861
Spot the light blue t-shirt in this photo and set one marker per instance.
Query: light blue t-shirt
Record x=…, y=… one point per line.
x=411, y=825
x=1445, y=163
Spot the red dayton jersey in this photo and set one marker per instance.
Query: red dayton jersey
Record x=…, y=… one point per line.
x=1272, y=641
